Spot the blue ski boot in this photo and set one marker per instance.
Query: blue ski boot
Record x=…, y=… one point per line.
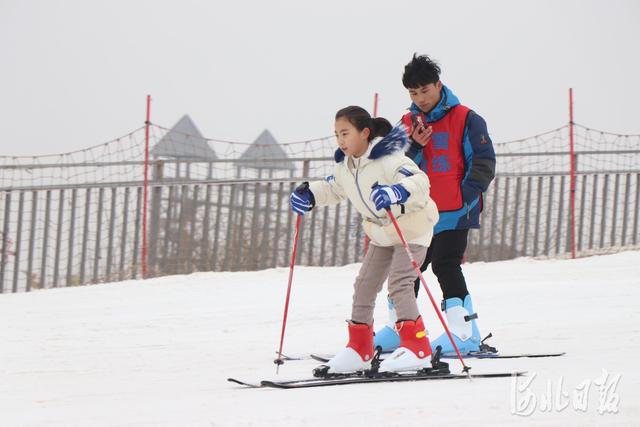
x=388, y=337
x=461, y=320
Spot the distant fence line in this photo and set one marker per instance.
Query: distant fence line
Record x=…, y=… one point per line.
x=78, y=218
x=65, y=236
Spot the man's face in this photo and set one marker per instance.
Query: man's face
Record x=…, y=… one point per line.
x=426, y=97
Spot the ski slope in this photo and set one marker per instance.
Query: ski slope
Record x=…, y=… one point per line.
x=158, y=352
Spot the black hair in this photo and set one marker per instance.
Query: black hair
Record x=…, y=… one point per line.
x=421, y=71
x=361, y=119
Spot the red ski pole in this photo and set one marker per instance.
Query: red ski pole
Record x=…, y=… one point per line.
x=279, y=360
x=465, y=368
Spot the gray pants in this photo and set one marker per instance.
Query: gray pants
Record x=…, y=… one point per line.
x=380, y=263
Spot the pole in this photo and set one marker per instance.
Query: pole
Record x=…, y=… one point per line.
x=573, y=176
x=416, y=267
x=279, y=360
x=375, y=104
x=146, y=189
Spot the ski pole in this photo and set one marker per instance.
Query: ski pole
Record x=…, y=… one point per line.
x=465, y=368
x=279, y=360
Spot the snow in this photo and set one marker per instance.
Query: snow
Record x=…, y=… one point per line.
x=158, y=352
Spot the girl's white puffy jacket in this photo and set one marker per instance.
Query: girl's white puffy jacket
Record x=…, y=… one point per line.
x=384, y=163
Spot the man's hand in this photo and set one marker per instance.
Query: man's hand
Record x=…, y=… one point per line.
x=421, y=133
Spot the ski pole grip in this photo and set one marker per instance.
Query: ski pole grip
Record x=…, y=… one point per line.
x=302, y=187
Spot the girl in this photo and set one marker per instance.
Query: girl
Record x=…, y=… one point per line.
x=374, y=174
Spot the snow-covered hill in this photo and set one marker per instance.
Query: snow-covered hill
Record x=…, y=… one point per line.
x=158, y=352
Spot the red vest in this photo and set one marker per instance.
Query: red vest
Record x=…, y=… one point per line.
x=444, y=157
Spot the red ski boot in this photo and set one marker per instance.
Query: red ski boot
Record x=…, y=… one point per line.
x=357, y=355
x=414, y=351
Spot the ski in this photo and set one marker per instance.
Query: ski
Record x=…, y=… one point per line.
x=439, y=370
x=485, y=355
x=486, y=352
x=259, y=385
x=246, y=384
x=473, y=355
x=287, y=358
x=361, y=378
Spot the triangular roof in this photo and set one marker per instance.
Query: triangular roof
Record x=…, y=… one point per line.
x=266, y=147
x=184, y=141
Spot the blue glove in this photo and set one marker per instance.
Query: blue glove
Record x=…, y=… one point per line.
x=384, y=196
x=302, y=200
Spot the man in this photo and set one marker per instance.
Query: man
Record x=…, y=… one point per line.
x=451, y=144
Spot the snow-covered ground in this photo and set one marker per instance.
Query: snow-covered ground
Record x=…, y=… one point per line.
x=158, y=352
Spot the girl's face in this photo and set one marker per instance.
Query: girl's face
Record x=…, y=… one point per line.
x=351, y=141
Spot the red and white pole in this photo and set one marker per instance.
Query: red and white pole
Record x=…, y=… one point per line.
x=416, y=267
x=279, y=360
x=375, y=104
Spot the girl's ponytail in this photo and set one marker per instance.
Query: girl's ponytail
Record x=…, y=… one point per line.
x=361, y=119
x=380, y=127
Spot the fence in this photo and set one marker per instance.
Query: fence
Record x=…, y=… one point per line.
x=78, y=218
x=529, y=216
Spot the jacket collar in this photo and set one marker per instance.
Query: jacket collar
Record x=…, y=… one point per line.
x=447, y=101
x=394, y=141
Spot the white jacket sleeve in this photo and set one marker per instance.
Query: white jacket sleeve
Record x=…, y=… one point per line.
x=404, y=171
x=327, y=192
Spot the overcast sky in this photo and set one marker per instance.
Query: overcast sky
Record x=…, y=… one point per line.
x=75, y=73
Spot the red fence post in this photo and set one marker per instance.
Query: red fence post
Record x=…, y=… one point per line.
x=375, y=104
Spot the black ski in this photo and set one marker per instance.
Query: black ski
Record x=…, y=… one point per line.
x=486, y=352
x=246, y=384
x=439, y=370
x=359, y=378
x=483, y=355
x=474, y=355
x=286, y=358
x=258, y=385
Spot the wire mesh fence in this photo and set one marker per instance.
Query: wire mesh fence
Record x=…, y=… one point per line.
x=77, y=218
